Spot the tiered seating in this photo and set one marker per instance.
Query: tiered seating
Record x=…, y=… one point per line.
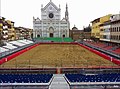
x=25, y=78
x=55, y=39
x=113, y=77
x=28, y=41
x=103, y=47
x=108, y=47
x=14, y=46
x=97, y=44
x=25, y=41
x=117, y=51
x=17, y=43
x=9, y=46
x=3, y=49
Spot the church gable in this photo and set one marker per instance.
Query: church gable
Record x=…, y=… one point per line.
x=51, y=7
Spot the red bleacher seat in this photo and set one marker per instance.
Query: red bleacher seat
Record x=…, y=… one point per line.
x=117, y=51
x=108, y=47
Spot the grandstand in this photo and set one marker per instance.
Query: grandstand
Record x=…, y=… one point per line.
x=9, y=46
x=63, y=65
x=3, y=49
x=33, y=81
x=14, y=46
x=25, y=78
x=113, y=51
x=54, y=39
x=101, y=80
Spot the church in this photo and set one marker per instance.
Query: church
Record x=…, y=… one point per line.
x=51, y=24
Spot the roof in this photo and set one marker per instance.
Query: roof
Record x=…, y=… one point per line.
x=63, y=19
x=101, y=17
x=95, y=20
x=51, y=3
x=74, y=28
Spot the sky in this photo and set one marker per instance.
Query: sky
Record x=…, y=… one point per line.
x=81, y=12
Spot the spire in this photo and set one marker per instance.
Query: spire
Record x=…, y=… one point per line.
x=59, y=5
x=41, y=5
x=50, y=0
x=66, y=13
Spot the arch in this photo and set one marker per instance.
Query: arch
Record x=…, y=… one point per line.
x=63, y=35
x=51, y=32
x=32, y=35
x=51, y=35
x=51, y=29
x=38, y=35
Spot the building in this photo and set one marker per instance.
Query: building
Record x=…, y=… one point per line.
x=23, y=33
x=11, y=30
x=51, y=24
x=5, y=30
x=105, y=31
x=115, y=29
x=1, y=27
x=1, y=31
x=110, y=30
x=76, y=34
x=87, y=32
x=95, y=33
x=9, y=33
x=96, y=26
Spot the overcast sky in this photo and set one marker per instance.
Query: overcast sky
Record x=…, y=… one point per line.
x=81, y=12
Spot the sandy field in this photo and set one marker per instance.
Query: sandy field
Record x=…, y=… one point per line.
x=57, y=55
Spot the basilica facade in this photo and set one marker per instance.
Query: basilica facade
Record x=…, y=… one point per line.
x=51, y=24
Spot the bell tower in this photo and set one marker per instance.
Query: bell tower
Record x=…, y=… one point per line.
x=66, y=13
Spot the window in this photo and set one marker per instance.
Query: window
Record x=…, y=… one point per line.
x=117, y=29
x=110, y=29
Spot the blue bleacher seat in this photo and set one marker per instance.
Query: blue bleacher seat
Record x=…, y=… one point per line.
x=25, y=78
x=111, y=77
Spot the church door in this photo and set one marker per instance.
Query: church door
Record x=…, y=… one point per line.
x=51, y=34
x=51, y=31
x=63, y=36
x=38, y=35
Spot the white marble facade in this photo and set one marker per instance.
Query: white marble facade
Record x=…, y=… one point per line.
x=51, y=24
